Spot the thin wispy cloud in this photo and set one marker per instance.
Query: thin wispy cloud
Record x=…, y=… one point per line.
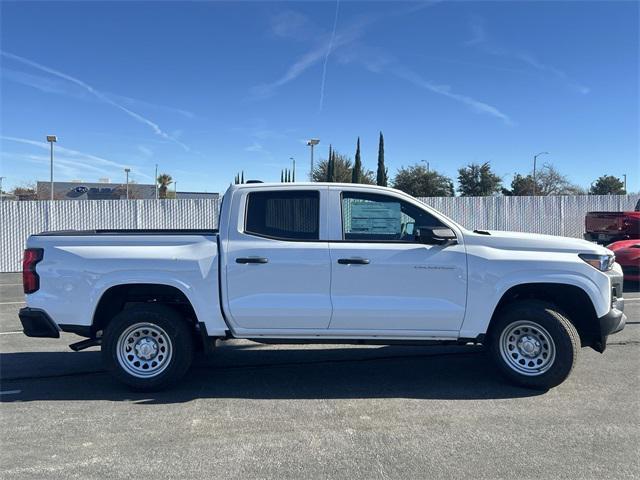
x=85, y=160
x=531, y=60
x=136, y=102
x=58, y=86
x=311, y=58
x=145, y=151
x=326, y=58
x=255, y=147
x=480, y=40
x=349, y=48
x=65, y=166
x=292, y=24
x=97, y=94
x=41, y=83
x=446, y=90
x=478, y=33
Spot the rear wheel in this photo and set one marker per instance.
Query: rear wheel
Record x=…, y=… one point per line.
x=147, y=347
x=533, y=344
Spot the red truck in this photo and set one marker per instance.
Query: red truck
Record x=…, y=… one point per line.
x=608, y=227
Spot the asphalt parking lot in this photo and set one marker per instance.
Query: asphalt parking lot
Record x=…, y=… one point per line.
x=254, y=411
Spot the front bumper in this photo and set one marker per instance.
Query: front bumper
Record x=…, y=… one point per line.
x=36, y=323
x=615, y=319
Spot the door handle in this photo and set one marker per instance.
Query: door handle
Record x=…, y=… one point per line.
x=252, y=260
x=353, y=261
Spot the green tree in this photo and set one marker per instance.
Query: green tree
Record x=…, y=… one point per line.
x=164, y=180
x=417, y=181
x=607, y=185
x=330, y=167
x=478, y=180
x=356, y=172
x=520, y=186
x=382, y=174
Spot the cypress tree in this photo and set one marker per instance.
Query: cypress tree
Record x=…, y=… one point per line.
x=334, y=176
x=242, y=177
x=281, y=176
x=381, y=177
x=356, y=173
x=330, y=165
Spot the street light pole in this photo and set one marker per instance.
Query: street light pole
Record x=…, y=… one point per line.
x=126, y=171
x=52, y=139
x=625, y=183
x=312, y=143
x=535, y=157
x=424, y=161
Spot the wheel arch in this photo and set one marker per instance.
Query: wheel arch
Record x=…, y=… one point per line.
x=116, y=298
x=571, y=300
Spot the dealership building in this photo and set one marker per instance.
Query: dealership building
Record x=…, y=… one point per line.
x=105, y=190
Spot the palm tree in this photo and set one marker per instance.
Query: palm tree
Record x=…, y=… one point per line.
x=164, y=180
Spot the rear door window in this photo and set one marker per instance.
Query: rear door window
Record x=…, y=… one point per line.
x=284, y=215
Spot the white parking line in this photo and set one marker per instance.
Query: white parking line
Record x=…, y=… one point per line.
x=10, y=333
x=11, y=303
x=10, y=392
x=10, y=284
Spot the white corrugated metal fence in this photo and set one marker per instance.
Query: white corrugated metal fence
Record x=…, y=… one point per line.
x=563, y=215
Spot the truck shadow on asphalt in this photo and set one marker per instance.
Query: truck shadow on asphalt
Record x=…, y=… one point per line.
x=252, y=371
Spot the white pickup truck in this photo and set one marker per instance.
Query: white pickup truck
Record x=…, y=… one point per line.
x=324, y=263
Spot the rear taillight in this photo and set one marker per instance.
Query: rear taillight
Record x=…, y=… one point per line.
x=30, y=278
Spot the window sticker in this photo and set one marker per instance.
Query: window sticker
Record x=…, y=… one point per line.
x=375, y=217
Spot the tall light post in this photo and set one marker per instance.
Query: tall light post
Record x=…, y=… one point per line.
x=294, y=168
x=625, y=183
x=52, y=139
x=424, y=161
x=535, y=158
x=312, y=143
x=126, y=171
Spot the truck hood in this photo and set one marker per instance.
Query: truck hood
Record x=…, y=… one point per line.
x=533, y=242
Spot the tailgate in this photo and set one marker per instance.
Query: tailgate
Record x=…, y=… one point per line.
x=604, y=222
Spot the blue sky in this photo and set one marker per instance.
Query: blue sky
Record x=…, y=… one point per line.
x=207, y=89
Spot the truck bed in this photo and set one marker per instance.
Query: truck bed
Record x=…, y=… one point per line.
x=128, y=231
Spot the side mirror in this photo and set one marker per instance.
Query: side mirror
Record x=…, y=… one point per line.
x=435, y=236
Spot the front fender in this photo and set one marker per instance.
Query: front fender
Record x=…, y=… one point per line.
x=486, y=291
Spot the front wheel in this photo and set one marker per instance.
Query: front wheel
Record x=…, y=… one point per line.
x=533, y=344
x=147, y=347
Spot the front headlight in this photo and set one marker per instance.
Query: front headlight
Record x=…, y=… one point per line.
x=604, y=263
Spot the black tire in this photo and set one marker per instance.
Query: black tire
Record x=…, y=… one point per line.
x=521, y=328
x=168, y=341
